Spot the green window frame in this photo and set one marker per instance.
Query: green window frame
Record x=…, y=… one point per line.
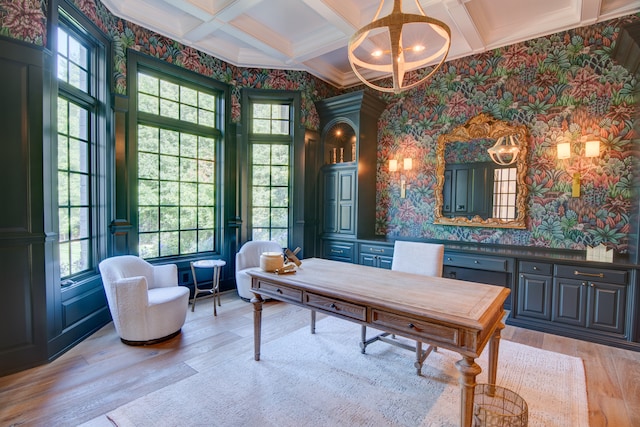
x=178, y=140
x=270, y=170
x=81, y=148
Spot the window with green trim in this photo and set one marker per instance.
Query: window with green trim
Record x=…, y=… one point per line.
x=81, y=147
x=178, y=135
x=270, y=171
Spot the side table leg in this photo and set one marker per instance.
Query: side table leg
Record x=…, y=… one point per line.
x=468, y=369
x=257, y=324
x=313, y=322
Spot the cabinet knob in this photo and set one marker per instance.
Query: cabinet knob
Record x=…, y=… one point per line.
x=522, y=276
x=535, y=267
x=476, y=262
x=332, y=306
x=411, y=326
x=448, y=258
x=584, y=284
x=591, y=284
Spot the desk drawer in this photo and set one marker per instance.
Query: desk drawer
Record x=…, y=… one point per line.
x=280, y=292
x=335, y=306
x=476, y=261
x=428, y=332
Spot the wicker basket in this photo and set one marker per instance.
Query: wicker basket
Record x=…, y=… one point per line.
x=498, y=407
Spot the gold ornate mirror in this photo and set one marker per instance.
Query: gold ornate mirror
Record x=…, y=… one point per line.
x=472, y=190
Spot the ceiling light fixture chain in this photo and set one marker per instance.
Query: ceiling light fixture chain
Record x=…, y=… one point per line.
x=371, y=62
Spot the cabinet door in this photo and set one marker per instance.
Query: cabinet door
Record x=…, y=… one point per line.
x=607, y=307
x=569, y=301
x=461, y=190
x=446, y=193
x=330, y=205
x=534, y=296
x=346, y=201
x=368, y=260
x=385, y=262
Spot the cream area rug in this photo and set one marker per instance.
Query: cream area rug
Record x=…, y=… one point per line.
x=324, y=380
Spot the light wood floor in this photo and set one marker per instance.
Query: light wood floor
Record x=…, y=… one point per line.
x=101, y=373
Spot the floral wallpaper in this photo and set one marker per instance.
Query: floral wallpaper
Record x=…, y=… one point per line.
x=562, y=87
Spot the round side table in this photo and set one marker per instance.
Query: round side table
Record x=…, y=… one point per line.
x=216, y=265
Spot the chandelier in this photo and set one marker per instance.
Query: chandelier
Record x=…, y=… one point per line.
x=398, y=45
x=505, y=150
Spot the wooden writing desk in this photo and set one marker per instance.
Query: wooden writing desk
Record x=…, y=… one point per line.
x=460, y=316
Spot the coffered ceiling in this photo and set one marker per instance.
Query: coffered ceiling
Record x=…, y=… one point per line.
x=312, y=35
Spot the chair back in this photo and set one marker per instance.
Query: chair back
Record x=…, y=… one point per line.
x=418, y=258
x=249, y=253
x=125, y=266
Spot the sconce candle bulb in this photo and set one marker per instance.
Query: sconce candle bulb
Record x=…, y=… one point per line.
x=564, y=150
x=592, y=149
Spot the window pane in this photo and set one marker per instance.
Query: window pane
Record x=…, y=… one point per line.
x=280, y=175
x=169, y=193
x=280, y=155
x=147, y=84
x=189, y=242
x=169, y=243
x=260, y=196
x=148, y=165
x=148, y=104
x=205, y=240
x=148, y=139
x=149, y=245
x=148, y=219
x=169, y=90
x=188, y=218
x=261, y=154
x=147, y=192
x=169, y=218
x=205, y=218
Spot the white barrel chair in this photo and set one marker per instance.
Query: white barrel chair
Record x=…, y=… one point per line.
x=146, y=303
x=247, y=258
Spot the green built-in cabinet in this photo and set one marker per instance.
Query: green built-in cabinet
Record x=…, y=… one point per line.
x=349, y=132
x=596, y=302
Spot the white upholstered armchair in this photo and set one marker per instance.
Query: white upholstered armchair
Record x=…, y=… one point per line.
x=249, y=257
x=146, y=303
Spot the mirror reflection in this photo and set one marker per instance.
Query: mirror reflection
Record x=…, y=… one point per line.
x=473, y=190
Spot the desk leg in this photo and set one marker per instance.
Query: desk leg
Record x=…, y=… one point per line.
x=469, y=369
x=313, y=321
x=257, y=324
x=494, y=346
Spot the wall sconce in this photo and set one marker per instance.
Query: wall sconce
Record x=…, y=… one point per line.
x=407, y=165
x=505, y=150
x=591, y=149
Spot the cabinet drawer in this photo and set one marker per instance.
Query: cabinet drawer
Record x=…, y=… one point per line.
x=425, y=331
x=336, y=306
x=339, y=251
x=536, y=268
x=376, y=250
x=477, y=262
x=280, y=292
x=596, y=274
